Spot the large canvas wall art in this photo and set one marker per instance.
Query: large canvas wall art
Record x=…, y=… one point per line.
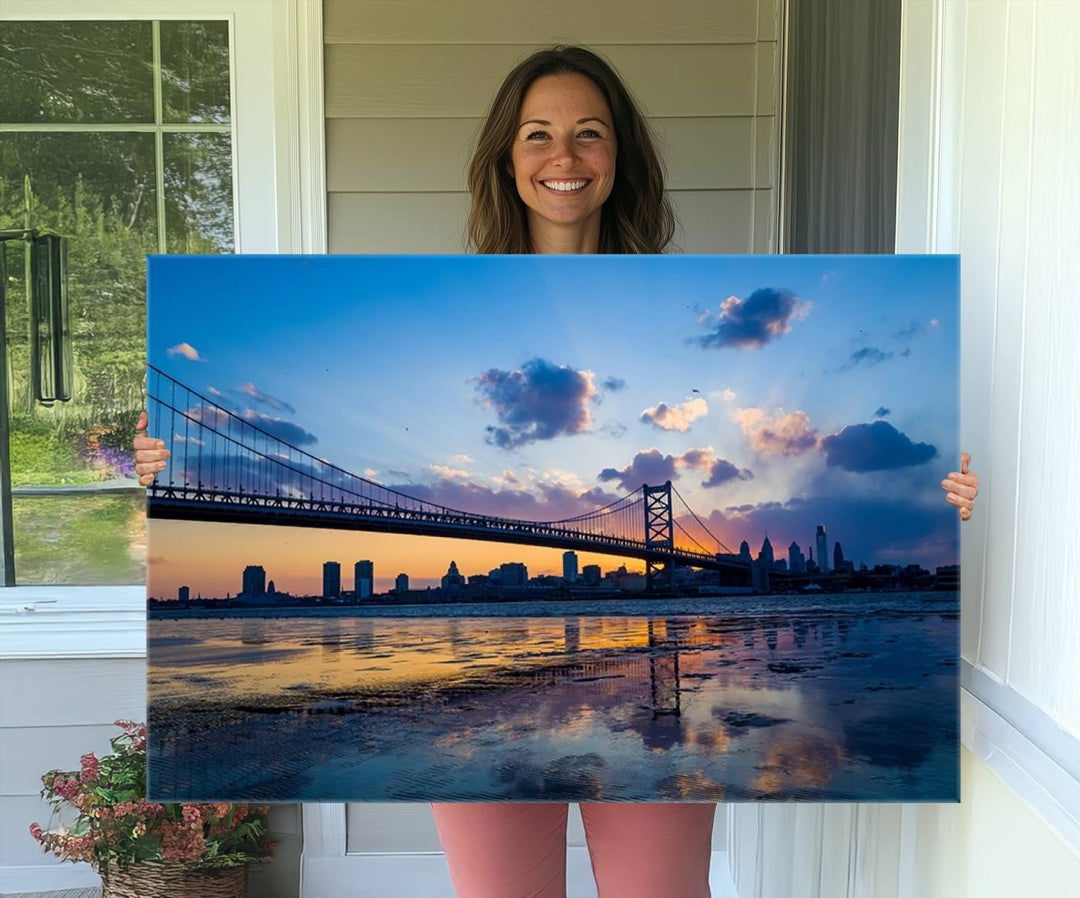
x=597, y=528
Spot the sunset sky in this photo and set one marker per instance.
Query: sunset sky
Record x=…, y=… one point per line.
x=776, y=393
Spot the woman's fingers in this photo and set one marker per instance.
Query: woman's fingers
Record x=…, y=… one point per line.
x=964, y=485
x=960, y=501
x=150, y=453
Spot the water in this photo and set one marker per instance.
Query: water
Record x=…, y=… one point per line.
x=850, y=697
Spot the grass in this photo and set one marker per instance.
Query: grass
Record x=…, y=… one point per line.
x=85, y=540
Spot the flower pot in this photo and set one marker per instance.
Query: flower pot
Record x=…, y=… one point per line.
x=161, y=880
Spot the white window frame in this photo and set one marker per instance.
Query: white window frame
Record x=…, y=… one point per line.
x=279, y=198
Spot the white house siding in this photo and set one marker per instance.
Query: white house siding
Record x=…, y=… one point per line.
x=407, y=85
x=55, y=710
x=408, y=82
x=990, y=137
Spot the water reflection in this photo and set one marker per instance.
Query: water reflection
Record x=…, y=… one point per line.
x=805, y=706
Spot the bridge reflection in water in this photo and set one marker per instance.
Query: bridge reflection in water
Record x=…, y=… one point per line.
x=808, y=705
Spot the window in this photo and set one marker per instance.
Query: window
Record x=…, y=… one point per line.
x=117, y=135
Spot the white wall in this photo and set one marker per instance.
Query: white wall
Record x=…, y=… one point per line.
x=989, y=150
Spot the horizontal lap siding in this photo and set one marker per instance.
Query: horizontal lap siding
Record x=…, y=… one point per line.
x=53, y=712
x=409, y=81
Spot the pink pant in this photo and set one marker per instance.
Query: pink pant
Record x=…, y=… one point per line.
x=519, y=850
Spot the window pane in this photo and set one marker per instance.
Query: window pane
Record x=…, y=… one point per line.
x=81, y=539
x=76, y=72
x=198, y=193
x=195, y=71
x=98, y=191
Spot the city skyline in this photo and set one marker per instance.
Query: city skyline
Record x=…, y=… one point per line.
x=255, y=579
x=770, y=407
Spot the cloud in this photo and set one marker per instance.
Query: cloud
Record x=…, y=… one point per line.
x=448, y=473
x=726, y=394
x=868, y=356
x=613, y=428
x=546, y=501
x=216, y=418
x=675, y=417
x=539, y=401
x=882, y=411
x=614, y=384
x=777, y=434
x=650, y=466
x=751, y=323
x=914, y=329
x=872, y=529
x=722, y=471
x=158, y=560
x=280, y=428
x=280, y=405
x=462, y=459
x=654, y=467
x=185, y=350
x=874, y=447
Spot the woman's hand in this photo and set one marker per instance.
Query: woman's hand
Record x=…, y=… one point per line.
x=150, y=454
x=962, y=488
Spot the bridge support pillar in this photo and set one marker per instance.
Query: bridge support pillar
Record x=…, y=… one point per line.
x=659, y=535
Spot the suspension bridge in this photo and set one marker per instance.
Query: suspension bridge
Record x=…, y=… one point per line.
x=231, y=468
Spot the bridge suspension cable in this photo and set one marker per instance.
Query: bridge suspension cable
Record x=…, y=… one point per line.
x=250, y=467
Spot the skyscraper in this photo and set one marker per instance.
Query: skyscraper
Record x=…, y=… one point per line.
x=569, y=567
x=183, y=594
x=796, y=559
x=331, y=580
x=254, y=581
x=822, y=549
x=364, y=579
x=837, y=557
x=766, y=553
x=744, y=550
x=401, y=584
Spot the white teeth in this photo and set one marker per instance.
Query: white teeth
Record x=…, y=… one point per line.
x=564, y=185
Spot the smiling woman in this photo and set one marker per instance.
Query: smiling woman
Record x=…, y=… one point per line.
x=565, y=164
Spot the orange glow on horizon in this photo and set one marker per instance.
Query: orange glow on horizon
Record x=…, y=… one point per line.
x=209, y=558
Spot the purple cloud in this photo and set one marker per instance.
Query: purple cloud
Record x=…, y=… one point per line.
x=753, y=322
x=539, y=401
x=874, y=447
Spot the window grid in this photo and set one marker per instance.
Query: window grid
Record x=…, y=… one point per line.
x=159, y=129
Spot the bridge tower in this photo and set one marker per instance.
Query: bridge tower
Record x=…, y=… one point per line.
x=659, y=534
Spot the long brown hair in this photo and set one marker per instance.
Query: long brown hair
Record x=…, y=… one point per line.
x=637, y=216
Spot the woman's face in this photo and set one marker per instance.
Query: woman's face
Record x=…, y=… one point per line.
x=563, y=154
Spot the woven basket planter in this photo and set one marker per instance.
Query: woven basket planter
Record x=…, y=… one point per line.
x=149, y=880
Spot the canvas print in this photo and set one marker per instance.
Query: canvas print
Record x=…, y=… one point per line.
x=596, y=528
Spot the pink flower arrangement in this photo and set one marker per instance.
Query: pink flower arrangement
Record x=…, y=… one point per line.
x=115, y=824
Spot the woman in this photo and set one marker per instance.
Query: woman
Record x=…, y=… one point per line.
x=565, y=164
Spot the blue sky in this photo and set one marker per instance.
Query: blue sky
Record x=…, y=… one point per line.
x=778, y=392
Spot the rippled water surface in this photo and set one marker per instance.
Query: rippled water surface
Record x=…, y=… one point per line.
x=851, y=698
